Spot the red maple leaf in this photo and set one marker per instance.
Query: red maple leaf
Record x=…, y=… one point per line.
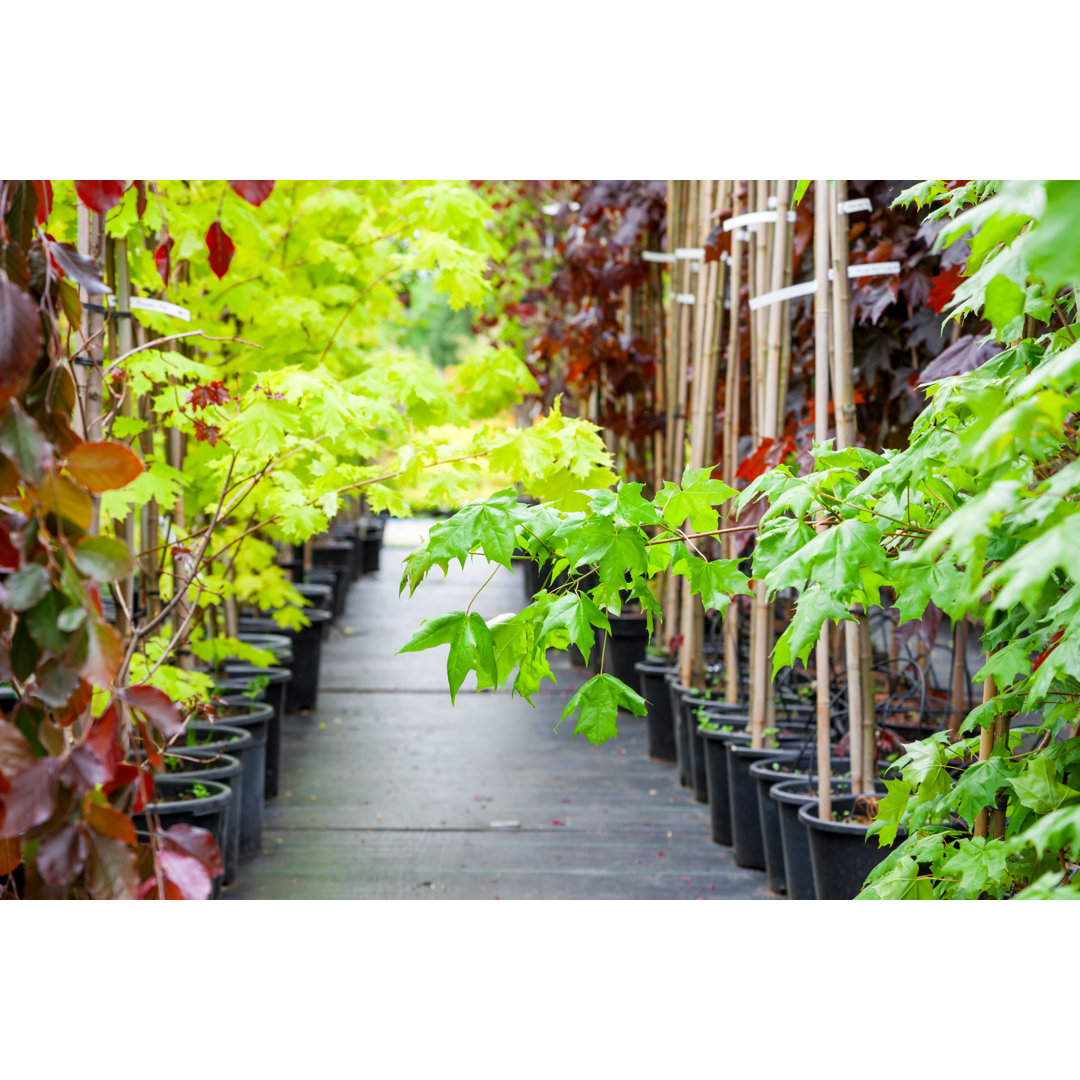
x=255, y=192
x=944, y=285
x=207, y=432
x=213, y=393
x=100, y=195
x=753, y=466
x=221, y=249
x=163, y=256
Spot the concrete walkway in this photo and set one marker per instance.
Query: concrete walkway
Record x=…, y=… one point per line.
x=388, y=793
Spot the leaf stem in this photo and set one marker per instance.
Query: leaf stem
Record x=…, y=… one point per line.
x=480, y=590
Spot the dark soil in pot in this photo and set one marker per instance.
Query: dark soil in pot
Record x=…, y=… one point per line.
x=256, y=719
x=277, y=685
x=841, y=853
x=173, y=805
x=652, y=678
x=204, y=763
x=775, y=771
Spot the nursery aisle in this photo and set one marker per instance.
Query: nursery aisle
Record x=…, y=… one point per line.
x=388, y=793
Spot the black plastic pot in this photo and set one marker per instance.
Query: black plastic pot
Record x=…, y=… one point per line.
x=317, y=595
x=207, y=813
x=625, y=646
x=765, y=776
x=303, y=691
x=747, y=844
x=791, y=796
x=682, y=755
x=371, y=548
x=275, y=694
x=653, y=679
x=238, y=713
x=841, y=853
x=716, y=777
x=338, y=580
x=202, y=763
x=278, y=644
x=333, y=553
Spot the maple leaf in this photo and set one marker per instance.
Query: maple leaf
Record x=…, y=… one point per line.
x=597, y=705
x=163, y=256
x=214, y=393
x=943, y=287
x=221, y=249
x=255, y=192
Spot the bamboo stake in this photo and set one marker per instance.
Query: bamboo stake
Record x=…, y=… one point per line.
x=763, y=708
x=821, y=433
x=124, y=343
x=91, y=241
x=959, y=679
x=986, y=748
x=844, y=400
x=732, y=396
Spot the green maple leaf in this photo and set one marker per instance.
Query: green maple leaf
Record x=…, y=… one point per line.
x=979, y=866
x=471, y=647
x=918, y=583
x=486, y=525
x=577, y=615
x=891, y=811
x=1039, y=789
x=695, y=499
x=1055, y=830
x=597, y=704
x=977, y=787
x=815, y=607
x=714, y=581
x=900, y=882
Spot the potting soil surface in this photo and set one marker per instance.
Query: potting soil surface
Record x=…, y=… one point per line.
x=389, y=793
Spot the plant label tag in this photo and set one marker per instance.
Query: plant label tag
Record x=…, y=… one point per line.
x=658, y=256
x=685, y=298
x=855, y=206
x=873, y=269
x=763, y=217
x=163, y=307
x=804, y=288
x=689, y=253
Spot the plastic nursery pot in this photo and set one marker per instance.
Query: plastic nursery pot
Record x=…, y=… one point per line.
x=716, y=777
x=317, y=595
x=276, y=689
x=333, y=553
x=691, y=705
x=371, y=548
x=841, y=853
x=791, y=796
x=776, y=771
x=625, y=646
x=746, y=840
x=239, y=713
x=303, y=691
x=278, y=644
x=675, y=691
x=8, y=699
x=338, y=581
x=202, y=763
x=652, y=678
x=174, y=805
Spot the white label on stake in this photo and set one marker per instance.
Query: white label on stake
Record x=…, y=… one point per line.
x=163, y=307
x=744, y=235
x=689, y=253
x=804, y=288
x=763, y=216
x=658, y=256
x=771, y=202
x=855, y=206
x=685, y=298
x=873, y=269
